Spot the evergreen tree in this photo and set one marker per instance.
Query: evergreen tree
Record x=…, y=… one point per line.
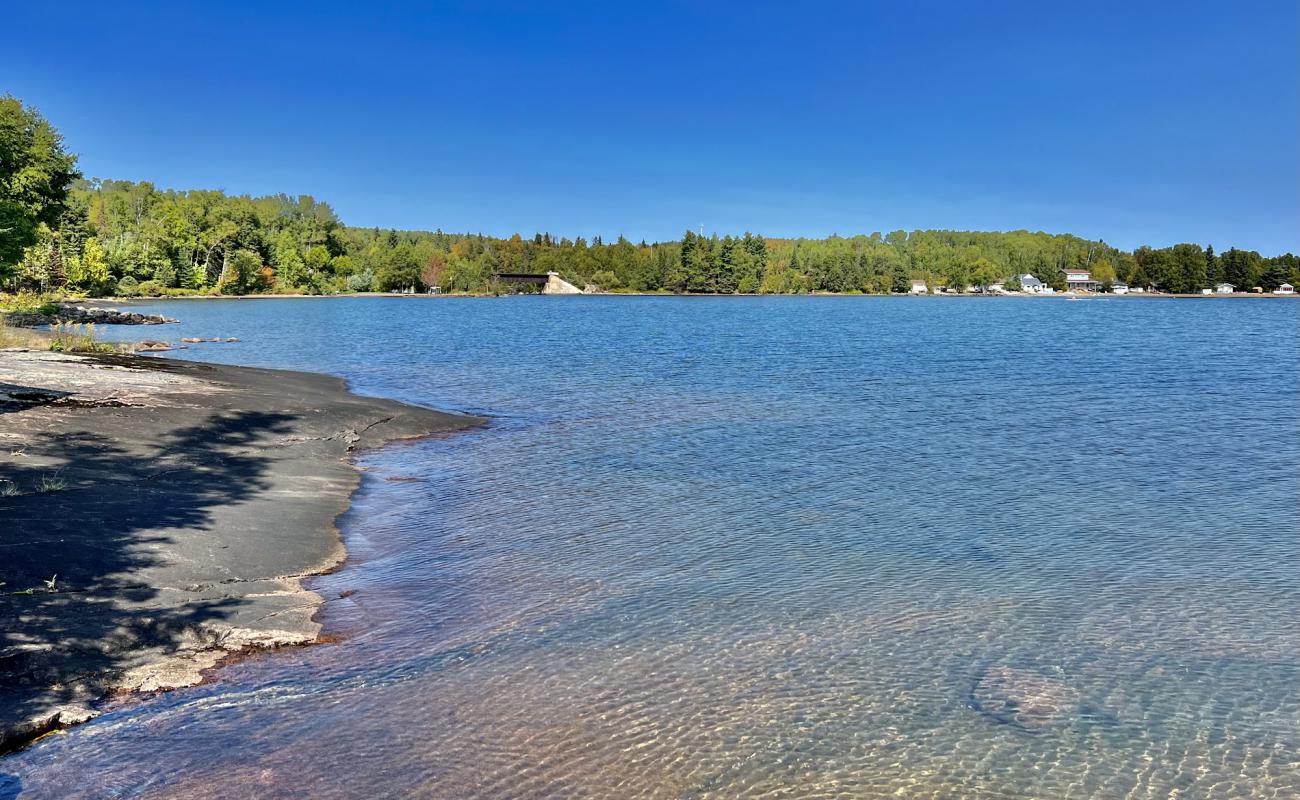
x=1213, y=268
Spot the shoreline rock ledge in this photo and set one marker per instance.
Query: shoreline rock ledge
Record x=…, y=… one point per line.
x=158, y=516
x=83, y=314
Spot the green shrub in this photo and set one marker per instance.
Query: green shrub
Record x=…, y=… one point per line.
x=150, y=288
x=31, y=302
x=76, y=337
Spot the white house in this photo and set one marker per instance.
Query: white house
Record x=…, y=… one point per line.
x=1207, y=291
x=1028, y=283
x=1119, y=288
x=918, y=287
x=1224, y=288
x=1285, y=288
x=1080, y=280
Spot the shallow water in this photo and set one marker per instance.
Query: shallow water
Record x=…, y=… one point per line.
x=783, y=547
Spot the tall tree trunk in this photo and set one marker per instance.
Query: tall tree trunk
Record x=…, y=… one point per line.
x=58, y=277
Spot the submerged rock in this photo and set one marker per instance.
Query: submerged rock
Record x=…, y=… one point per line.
x=1023, y=698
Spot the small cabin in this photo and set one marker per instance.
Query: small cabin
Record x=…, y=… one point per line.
x=918, y=287
x=1224, y=288
x=1028, y=283
x=1119, y=288
x=1285, y=288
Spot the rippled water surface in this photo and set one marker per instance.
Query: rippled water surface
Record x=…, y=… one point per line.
x=787, y=547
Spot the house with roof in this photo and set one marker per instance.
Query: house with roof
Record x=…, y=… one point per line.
x=1030, y=284
x=1285, y=288
x=1119, y=287
x=1224, y=288
x=918, y=287
x=1079, y=280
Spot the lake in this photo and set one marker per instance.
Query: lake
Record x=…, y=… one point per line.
x=771, y=547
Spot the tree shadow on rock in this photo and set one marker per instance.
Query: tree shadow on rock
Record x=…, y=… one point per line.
x=92, y=538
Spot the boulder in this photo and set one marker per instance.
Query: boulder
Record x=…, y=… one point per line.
x=107, y=316
x=1024, y=698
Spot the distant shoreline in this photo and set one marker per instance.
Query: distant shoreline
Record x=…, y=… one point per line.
x=481, y=296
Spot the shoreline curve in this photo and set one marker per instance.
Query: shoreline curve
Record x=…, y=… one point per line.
x=157, y=517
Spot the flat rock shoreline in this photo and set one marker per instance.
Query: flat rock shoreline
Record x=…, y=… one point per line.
x=158, y=515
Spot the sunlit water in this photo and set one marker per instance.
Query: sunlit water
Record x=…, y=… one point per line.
x=788, y=547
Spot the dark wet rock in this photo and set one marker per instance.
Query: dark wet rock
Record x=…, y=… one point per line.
x=107, y=316
x=82, y=315
x=193, y=498
x=25, y=319
x=1024, y=698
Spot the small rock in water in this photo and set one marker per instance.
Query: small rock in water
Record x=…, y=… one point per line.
x=215, y=339
x=232, y=339
x=151, y=346
x=190, y=339
x=1024, y=698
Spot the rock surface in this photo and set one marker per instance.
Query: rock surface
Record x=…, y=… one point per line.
x=1024, y=698
x=157, y=515
x=84, y=314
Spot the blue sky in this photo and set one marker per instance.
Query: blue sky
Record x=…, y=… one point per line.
x=1133, y=122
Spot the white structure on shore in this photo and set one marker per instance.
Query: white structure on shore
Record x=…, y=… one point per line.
x=1225, y=288
x=1080, y=280
x=1119, y=288
x=918, y=287
x=1030, y=284
x=1285, y=288
x=557, y=285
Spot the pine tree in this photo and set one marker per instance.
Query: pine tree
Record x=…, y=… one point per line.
x=677, y=277
x=1213, y=268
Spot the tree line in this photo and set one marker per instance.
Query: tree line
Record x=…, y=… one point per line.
x=60, y=232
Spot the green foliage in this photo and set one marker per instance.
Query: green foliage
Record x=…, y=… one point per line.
x=75, y=337
x=240, y=272
x=101, y=235
x=361, y=282
x=35, y=176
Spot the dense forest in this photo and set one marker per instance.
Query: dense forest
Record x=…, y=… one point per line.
x=60, y=232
